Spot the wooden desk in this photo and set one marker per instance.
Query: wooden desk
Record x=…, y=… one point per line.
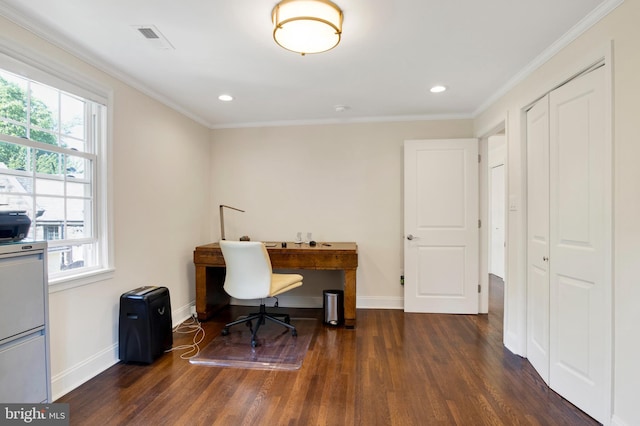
x=211, y=297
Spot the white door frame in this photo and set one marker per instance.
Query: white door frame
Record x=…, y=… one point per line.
x=496, y=158
x=484, y=168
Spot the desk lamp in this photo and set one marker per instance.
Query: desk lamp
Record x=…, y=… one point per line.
x=222, y=237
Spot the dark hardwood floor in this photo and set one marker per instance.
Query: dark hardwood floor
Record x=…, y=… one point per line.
x=393, y=369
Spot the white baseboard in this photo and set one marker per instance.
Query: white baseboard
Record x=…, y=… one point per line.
x=71, y=378
x=317, y=302
x=373, y=302
x=512, y=342
x=617, y=421
x=178, y=316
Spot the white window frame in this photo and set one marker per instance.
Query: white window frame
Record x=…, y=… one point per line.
x=22, y=61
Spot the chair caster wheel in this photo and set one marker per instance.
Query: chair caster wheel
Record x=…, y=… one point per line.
x=287, y=319
x=225, y=331
x=254, y=343
x=294, y=333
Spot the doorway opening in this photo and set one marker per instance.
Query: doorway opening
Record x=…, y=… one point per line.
x=493, y=215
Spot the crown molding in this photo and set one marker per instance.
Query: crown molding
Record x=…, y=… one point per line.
x=86, y=56
x=354, y=120
x=74, y=49
x=67, y=45
x=587, y=22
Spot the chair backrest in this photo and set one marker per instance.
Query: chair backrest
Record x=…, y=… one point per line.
x=248, y=274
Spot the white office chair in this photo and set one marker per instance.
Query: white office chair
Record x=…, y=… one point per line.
x=249, y=276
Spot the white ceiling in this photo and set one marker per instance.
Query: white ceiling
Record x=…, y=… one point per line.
x=392, y=52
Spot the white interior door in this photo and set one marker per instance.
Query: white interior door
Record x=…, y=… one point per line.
x=497, y=224
x=441, y=226
x=579, y=254
x=538, y=237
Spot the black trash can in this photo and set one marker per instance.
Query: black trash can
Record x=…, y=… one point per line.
x=145, y=329
x=333, y=303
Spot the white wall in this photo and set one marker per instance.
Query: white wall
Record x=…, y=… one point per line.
x=160, y=190
x=341, y=182
x=622, y=27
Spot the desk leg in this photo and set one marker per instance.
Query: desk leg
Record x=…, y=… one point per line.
x=210, y=296
x=350, y=298
x=201, y=292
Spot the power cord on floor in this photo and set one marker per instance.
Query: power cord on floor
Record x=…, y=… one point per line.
x=191, y=325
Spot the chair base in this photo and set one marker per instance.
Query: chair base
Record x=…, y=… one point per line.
x=261, y=317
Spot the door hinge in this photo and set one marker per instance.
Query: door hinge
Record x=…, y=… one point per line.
x=479, y=288
x=479, y=158
x=479, y=223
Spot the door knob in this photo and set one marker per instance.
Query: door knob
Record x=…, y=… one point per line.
x=545, y=258
x=410, y=237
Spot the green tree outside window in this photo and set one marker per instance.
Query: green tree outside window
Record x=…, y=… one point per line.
x=13, y=122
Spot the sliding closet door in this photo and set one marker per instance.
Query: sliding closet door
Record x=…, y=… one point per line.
x=579, y=255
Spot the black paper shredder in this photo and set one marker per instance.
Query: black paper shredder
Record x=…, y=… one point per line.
x=145, y=329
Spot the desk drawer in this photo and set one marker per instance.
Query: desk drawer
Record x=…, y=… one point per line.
x=319, y=260
x=208, y=258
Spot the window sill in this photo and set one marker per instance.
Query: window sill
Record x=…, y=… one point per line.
x=66, y=283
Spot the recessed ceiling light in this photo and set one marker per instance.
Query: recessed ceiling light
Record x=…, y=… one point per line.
x=225, y=98
x=438, y=89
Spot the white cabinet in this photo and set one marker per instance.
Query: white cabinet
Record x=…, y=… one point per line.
x=25, y=373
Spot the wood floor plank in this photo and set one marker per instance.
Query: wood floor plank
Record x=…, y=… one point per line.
x=393, y=369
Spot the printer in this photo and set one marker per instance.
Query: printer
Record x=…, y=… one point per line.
x=14, y=225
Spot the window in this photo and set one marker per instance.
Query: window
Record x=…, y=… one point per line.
x=51, y=140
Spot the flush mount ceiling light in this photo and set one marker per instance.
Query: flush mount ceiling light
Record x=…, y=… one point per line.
x=438, y=89
x=307, y=26
x=225, y=98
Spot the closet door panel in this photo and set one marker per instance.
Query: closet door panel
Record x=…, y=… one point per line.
x=538, y=237
x=578, y=255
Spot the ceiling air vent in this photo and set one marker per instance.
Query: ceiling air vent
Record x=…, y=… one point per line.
x=153, y=36
x=148, y=32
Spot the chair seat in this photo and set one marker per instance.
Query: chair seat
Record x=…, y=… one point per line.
x=281, y=283
x=249, y=276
